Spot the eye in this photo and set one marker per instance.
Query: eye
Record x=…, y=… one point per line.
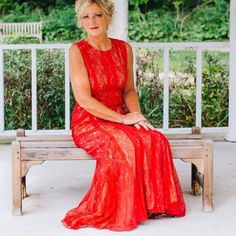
x=98, y=14
x=85, y=17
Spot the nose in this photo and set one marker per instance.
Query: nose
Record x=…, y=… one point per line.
x=93, y=19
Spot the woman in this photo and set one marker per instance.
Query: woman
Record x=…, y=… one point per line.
x=135, y=178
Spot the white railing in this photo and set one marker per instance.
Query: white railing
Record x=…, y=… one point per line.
x=199, y=47
x=33, y=29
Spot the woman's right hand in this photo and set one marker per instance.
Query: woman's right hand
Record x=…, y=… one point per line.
x=132, y=118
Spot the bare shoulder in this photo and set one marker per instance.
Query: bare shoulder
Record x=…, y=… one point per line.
x=74, y=49
x=75, y=53
x=129, y=49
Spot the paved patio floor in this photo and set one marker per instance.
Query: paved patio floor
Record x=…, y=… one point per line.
x=55, y=187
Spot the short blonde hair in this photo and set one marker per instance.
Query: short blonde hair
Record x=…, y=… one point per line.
x=106, y=5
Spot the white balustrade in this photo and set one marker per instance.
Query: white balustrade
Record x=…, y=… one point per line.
x=166, y=47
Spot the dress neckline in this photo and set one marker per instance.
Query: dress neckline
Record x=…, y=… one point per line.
x=108, y=50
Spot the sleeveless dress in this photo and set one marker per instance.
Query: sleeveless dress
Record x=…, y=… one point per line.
x=134, y=174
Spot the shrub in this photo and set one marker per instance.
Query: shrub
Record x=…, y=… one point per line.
x=17, y=89
x=20, y=39
x=22, y=13
x=206, y=22
x=215, y=90
x=60, y=26
x=50, y=84
x=182, y=96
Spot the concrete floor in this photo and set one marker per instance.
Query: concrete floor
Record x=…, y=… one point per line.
x=55, y=187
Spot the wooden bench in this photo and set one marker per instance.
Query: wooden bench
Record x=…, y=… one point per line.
x=26, y=29
x=32, y=150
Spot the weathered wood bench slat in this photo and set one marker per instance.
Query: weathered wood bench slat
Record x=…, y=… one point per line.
x=70, y=143
x=68, y=137
x=48, y=144
x=188, y=152
x=54, y=154
x=67, y=153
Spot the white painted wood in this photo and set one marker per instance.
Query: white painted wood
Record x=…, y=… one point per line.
x=166, y=90
x=211, y=131
x=134, y=68
x=232, y=74
x=119, y=26
x=34, y=90
x=218, y=46
x=210, y=46
x=33, y=46
x=67, y=91
x=199, y=89
x=33, y=29
x=1, y=92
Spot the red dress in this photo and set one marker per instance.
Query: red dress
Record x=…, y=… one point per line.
x=134, y=173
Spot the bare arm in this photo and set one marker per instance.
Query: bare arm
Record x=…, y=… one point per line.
x=129, y=94
x=82, y=92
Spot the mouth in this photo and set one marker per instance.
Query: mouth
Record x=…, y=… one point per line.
x=93, y=28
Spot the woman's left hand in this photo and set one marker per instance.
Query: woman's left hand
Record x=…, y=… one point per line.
x=145, y=124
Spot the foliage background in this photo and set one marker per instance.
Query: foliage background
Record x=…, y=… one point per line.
x=149, y=20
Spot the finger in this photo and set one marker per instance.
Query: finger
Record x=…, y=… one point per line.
x=137, y=126
x=130, y=122
x=143, y=125
x=136, y=121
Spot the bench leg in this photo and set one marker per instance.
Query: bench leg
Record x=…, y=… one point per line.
x=23, y=184
x=208, y=178
x=196, y=187
x=16, y=179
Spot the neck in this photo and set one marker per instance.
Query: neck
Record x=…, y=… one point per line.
x=100, y=42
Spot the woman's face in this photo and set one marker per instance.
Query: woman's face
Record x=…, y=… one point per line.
x=95, y=21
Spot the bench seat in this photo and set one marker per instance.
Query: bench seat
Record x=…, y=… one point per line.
x=31, y=150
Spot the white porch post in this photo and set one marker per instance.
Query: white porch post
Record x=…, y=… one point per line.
x=232, y=74
x=119, y=27
x=2, y=119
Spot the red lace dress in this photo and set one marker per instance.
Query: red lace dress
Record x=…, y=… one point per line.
x=134, y=173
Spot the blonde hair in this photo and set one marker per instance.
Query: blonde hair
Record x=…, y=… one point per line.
x=106, y=5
